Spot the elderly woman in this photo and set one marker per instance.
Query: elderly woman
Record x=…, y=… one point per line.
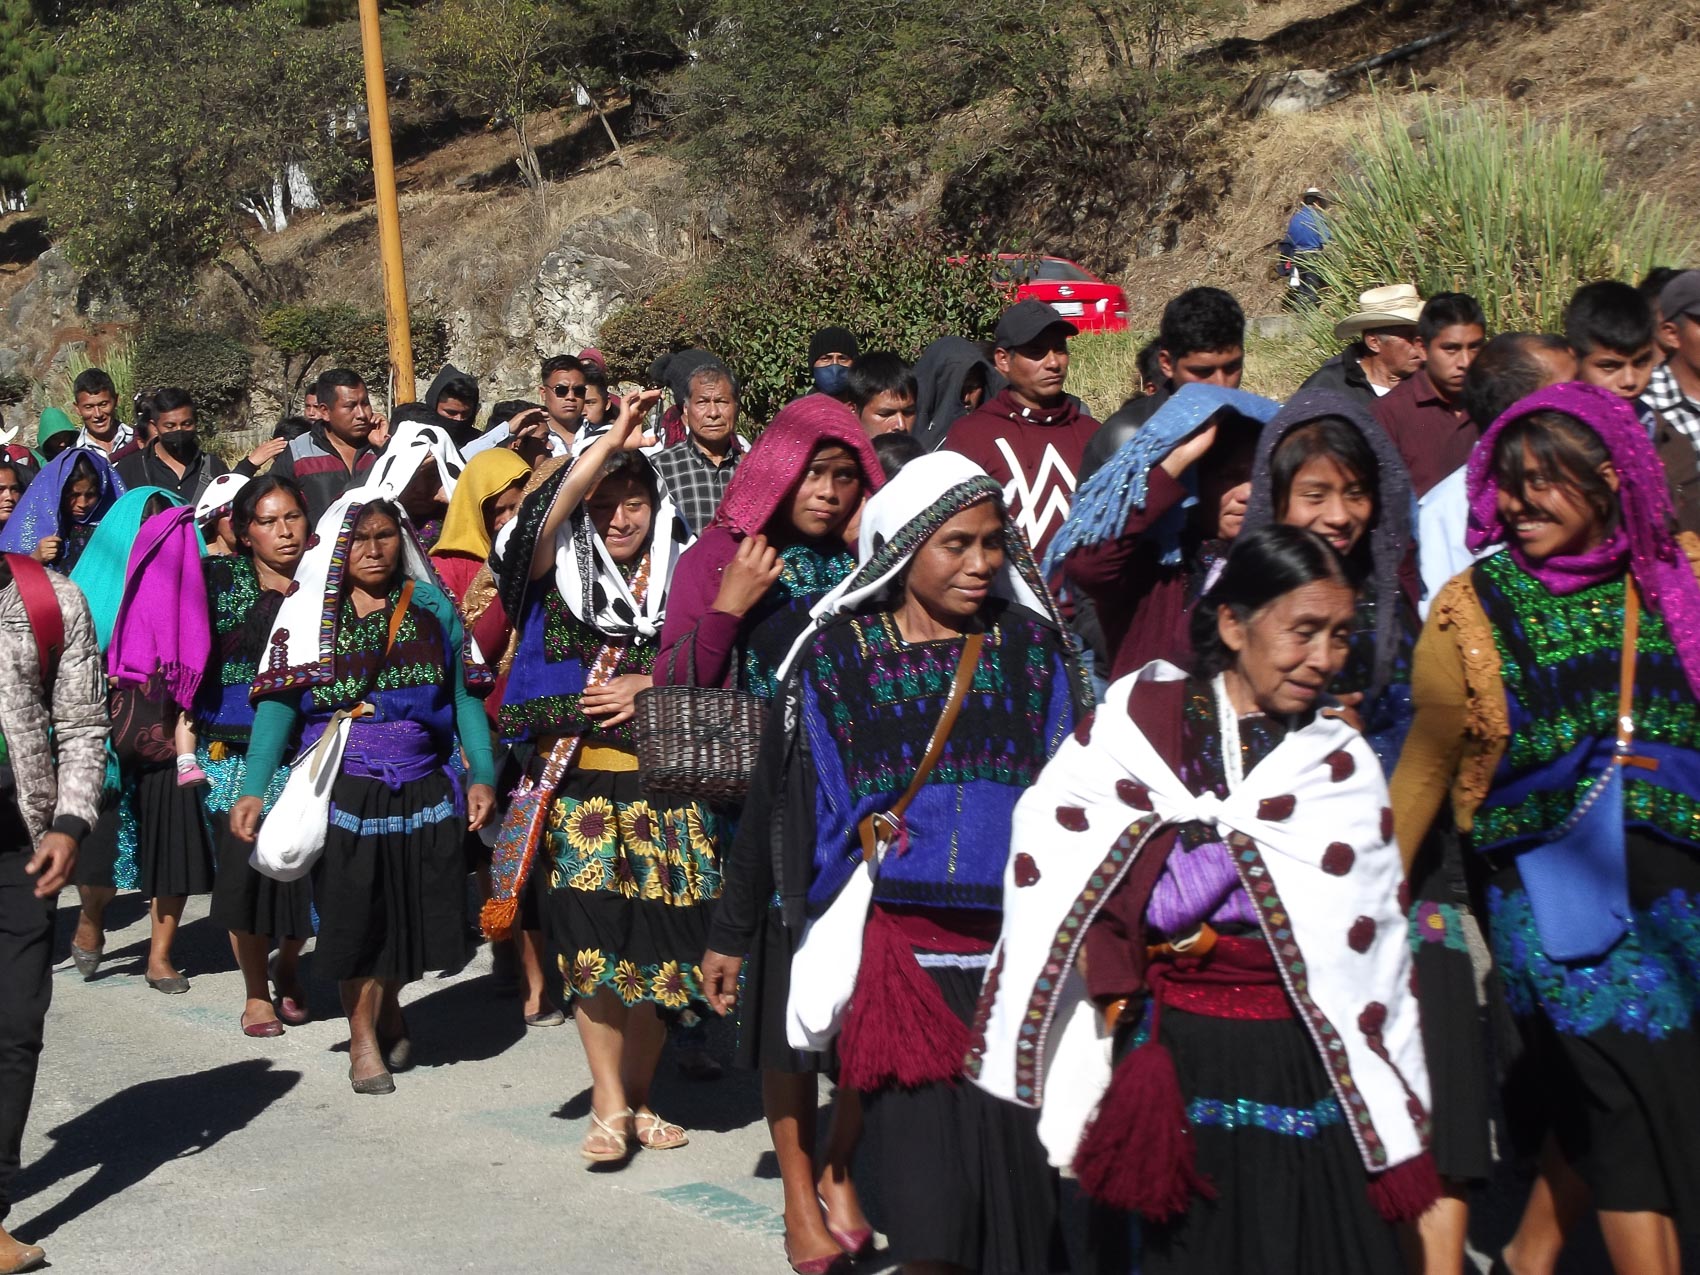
x=781, y=539
x=268, y=524
x=1556, y=701
x=368, y=624
x=943, y=645
x=1204, y=881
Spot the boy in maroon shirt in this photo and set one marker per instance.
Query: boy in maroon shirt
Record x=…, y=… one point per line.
x=1032, y=436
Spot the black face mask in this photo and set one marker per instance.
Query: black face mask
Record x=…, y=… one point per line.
x=182, y=444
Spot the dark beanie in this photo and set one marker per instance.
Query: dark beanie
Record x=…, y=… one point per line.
x=833, y=341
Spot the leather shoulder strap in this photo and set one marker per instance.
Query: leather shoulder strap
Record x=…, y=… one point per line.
x=398, y=615
x=41, y=604
x=959, y=684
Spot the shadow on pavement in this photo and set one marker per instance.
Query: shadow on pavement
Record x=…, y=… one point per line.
x=134, y=1132
x=467, y=1021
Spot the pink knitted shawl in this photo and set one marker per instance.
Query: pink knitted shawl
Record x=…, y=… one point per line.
x=1645, y=535
x=775, y=464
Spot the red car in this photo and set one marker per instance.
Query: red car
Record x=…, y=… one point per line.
x=1080, y=297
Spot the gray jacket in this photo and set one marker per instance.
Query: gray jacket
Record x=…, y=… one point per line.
x=64, y=797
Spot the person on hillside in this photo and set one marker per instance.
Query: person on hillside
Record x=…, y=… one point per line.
x=55, y=432
x=943, y=570
x=1307, y=234
x=55, y=518
x=697, y=472
x=1148, y=528
x=1204, y=974
x=336, y=453
x=740, y=597
x=1200, y=339
x=882, y=392
x=1382, y=349
x=1511, y=366
x=1518, y=681
x=53, y=724
x=1031, y=437
x=368, y=623
x=1613, y=331
x=1424, y=416
x=174, y=459
x=831, y=352
x=96, y=401
x=453, y=396
x=1673, y=391
x=953, y=377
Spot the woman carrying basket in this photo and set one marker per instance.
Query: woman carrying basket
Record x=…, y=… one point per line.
x=933, y=691
x=367, y=624
x=741, y=595
x=586, y=568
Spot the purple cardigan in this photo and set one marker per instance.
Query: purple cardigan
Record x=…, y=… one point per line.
x=690, y=612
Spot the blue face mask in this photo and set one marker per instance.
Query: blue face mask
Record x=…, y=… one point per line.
x=832, y=378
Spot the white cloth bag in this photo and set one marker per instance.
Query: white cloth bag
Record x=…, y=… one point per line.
x=293, y=832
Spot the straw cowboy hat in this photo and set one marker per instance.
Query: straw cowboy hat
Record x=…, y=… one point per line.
x=1395, y=306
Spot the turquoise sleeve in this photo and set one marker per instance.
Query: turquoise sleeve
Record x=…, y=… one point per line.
x=274, y=723
x=471, y=724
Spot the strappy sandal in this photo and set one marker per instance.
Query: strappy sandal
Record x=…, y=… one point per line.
x=659, y=1134
x=601, y=1129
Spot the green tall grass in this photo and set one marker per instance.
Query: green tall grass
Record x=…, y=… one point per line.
x=1101, y=369
x=1476, y=198
x=120, y=364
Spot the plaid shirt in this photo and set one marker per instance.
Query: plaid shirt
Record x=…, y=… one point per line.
x=695, y=483
x=1665, y=397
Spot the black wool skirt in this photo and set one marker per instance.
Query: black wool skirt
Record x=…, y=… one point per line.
x=963, y=1176
x=174, y=841
x=1457, y=1039
x=391, y=883
x=1291, y=1190
x=1611, y=1046
x=764, y=984
x=249, y=902
x=97, y=856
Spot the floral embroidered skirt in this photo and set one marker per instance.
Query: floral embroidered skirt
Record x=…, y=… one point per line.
x=631, y=886
x=1611, y=1048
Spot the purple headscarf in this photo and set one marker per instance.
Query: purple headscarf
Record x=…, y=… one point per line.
x=1644, y=539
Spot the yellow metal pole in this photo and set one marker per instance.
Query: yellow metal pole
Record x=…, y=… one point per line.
x=389, y=212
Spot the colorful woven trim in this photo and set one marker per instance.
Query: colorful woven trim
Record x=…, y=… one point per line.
x=393, y=825
x=1243, y=1113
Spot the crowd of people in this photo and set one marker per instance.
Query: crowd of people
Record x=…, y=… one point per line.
x=1213, y=839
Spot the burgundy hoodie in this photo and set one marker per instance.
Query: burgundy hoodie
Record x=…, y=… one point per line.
x=1033, y=454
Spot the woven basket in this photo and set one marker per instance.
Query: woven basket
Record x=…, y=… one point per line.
x=697, y=741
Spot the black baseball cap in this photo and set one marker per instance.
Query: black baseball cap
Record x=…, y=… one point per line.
x=1025, y=320
x=1681, y=296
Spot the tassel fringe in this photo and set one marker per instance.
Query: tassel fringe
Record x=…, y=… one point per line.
x=898, y=1030
x=1405, y=1192
x=1137, y=1155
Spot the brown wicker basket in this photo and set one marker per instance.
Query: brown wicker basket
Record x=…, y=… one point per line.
x=697, y=741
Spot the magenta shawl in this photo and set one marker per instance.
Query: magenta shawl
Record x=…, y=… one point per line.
x=781, y=453
x=163, y=626
x=1645, y=539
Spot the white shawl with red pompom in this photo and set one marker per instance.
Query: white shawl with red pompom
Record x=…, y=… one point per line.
x=1311, y=834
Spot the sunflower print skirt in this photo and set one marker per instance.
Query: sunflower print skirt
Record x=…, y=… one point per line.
x=631, y=889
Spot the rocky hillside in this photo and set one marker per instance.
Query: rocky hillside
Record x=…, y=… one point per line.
x=518, y=274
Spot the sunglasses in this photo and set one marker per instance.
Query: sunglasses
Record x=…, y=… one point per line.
x=562, y=391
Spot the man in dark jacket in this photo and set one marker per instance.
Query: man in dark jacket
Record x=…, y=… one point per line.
x=336, y=453
x=1031, y=436
x=1382, y=349
x=173, y=458
x=453, y=396
x=1201, y=338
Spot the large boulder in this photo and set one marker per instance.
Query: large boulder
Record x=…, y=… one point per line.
x=1290, y=92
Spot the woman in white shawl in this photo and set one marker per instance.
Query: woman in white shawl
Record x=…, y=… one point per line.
x=1204, y=883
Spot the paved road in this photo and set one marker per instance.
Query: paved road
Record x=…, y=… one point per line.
x=162, y=1139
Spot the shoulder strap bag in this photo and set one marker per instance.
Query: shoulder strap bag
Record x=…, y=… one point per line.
x=1578, y=880
x=293, y=832
x=829, y=956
